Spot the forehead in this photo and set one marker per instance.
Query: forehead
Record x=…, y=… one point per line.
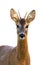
x=22, y=21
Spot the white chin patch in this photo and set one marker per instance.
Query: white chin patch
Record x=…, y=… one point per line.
x=22, y=38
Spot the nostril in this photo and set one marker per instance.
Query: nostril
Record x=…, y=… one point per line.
x=21, y=35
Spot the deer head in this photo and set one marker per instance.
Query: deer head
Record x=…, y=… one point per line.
x=22, y=23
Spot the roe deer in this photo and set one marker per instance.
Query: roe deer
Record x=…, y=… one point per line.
x=18, y=55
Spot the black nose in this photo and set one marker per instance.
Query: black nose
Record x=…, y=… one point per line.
x=21, y=35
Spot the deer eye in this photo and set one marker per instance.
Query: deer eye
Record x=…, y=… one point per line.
x=26, y=26
x=17, y=26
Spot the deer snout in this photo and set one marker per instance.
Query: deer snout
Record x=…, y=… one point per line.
x=21, y=35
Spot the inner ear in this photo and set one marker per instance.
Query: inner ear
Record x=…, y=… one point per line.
x=31, y=16
x=14, y=15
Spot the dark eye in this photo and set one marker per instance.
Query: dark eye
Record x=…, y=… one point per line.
x=17, y=26
x=27, y=26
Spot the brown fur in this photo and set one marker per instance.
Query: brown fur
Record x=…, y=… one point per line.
x=15, y=56
x=20, y=56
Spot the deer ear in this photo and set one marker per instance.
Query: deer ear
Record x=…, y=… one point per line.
x=31, y=16
x=14, y=15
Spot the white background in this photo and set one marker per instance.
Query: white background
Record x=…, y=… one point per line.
x=8, y=34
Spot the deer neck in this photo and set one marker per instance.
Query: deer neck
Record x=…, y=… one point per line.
x=22, y=49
